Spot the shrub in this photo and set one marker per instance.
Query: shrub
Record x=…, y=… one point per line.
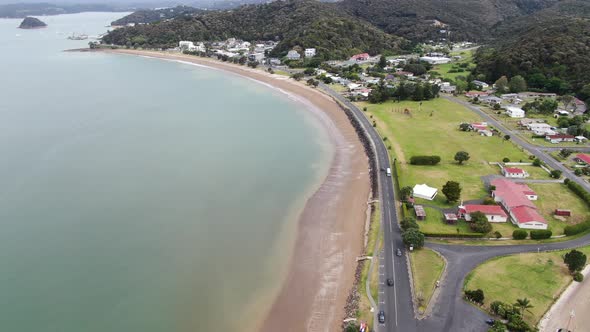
x=578, y=190
x=579, y=277
x=489, y=201
x=537, y=162
x=506, y=160
x=576, y=229
x=407, y=223
x=497, y=235
x=476, y=296
x=424, y=160
x=519, y=234
x=540, y=234
x=455, y=235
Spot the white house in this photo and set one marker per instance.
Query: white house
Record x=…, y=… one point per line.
x=293, y=55
x=310, y=52
x=425, y=192
x=191, y=47
x=435, y=60
x=514, y=172
x=514, y=112
x=480, y=84
x=494, y=213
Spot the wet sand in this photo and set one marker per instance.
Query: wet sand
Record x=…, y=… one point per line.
x=574, y=300
x=330, y=229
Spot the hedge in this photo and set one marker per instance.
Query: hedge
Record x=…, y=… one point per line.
x=424, y=160
x=576, y=229
x=519, y=234
x=579, y=190
x=540, y=234
x=455, y=235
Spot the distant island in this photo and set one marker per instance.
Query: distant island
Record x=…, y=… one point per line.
x=32, y=23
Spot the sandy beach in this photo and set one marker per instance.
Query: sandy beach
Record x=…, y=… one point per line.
x=330, y=229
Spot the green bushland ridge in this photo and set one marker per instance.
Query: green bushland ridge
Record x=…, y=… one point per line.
x=305, y=23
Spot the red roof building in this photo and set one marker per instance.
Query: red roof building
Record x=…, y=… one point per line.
x=514, y=172
x=360, y=57
x=494, y=213
x=583, y=158
x=560, y=138
x=516, y=198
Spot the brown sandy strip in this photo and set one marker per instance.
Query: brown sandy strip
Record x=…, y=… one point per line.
x=330, y=230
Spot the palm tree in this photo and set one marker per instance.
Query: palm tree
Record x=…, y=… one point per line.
x=523, y=304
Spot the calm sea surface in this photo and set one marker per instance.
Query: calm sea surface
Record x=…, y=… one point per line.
x=138, y=194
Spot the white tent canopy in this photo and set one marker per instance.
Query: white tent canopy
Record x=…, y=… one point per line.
x=424, y=191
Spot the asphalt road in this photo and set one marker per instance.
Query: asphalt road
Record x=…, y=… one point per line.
x=395, y=301
x=533, y=149
x=450, y=312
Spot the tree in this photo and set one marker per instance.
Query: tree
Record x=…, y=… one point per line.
x=506, y=137
x=502, y=84
x=461, y=156
x=412, y=237
x=464, y=126
x=537, y=162
x=480, y=223
x=408, y=222
x=406, y=192
x=297, y=76
x=382, y=62
x=575, y=260
x=556, y=174
x=476, y=296
x=565, y=152
x=517, y=84
x=497, y=327
x=523, y=304
x=452, y=191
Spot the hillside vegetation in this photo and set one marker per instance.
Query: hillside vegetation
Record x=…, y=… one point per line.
x=150, y=16
x=335, y=34
x=414, y=19
x=550, y=49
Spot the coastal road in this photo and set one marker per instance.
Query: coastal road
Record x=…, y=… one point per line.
x=450, y=312
x=533, y=149
x=395, y=301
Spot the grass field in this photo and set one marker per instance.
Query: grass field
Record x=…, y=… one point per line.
x=443, y=69
x=557, y=196
x=539, y=277
x=364, y=313
x=432, y=129
x=427, y=267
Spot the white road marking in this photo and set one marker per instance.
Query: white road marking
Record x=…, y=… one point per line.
x=394, y=284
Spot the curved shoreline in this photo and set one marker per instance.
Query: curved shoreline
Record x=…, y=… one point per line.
x=321, y=269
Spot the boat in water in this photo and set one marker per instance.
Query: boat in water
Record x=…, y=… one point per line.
x=78, y=37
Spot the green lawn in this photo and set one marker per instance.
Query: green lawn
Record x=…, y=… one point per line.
x=539, y=277
x=443, y=69
x=432, y=129
x=557, y=196
x=364, y=311
x=427, y=267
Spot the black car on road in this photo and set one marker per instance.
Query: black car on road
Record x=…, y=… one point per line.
x=389, y=282
x=381, y=317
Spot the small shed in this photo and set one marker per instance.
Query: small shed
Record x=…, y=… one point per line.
x=420, y=213
x=563, y=213
x=451, y=218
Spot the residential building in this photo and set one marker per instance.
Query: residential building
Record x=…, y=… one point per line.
x=293, y=55
x=191, y=47
x=448, y=89
x=480, y=84
x=478, y=94
x=494, y=213
x=582, y=158
x=514, y=112
x=536, y=95
x=425, y=192
x=516, y=199
x=558, y=138
x=435, y=60
x=491, y=100
x=259, y=57
x=514, y=172
x=360, y=57
x=310, y=52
